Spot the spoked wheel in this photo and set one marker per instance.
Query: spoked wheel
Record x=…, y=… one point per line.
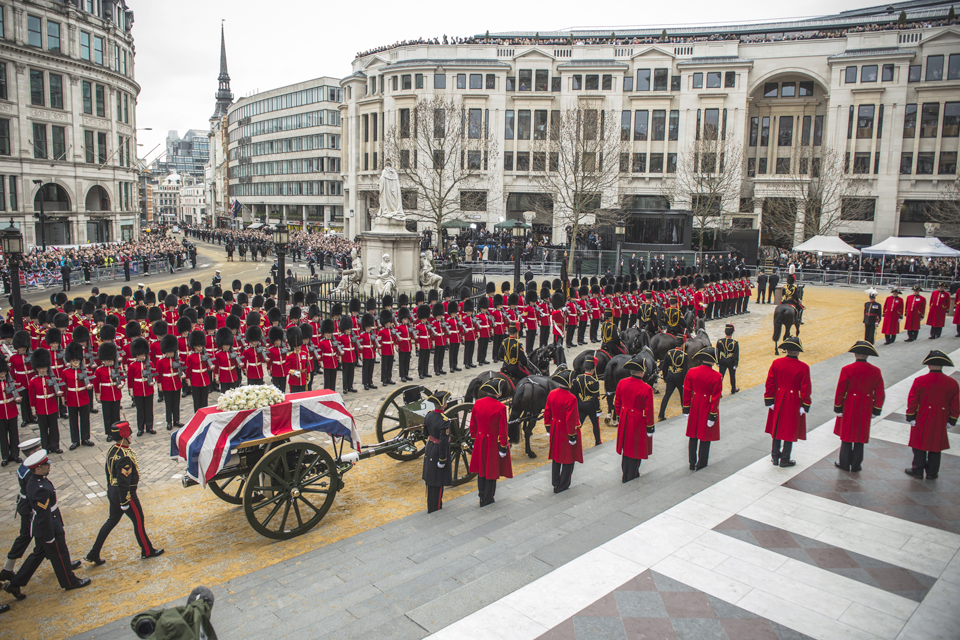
x=290, y=490
x=229, y=489
x=460, y=442
x=392, y=419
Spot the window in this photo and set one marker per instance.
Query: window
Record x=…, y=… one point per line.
x=910, y=121
x=925, y=163
x=783, y=165
x=640, y=125
x=101, y=147
x=751, y=167
x=659, y=124
x=730, y=79
x=473, y=159
x=53, y=36
x=418, y=80
x=606, y=82
x=119, y=108
x=461, y=81
x=474, y=123
x=948, y=163
x=850, y=124
x=473, y=200
x=639, y=163
x=98, y=50
x=656, y=163
x=785, y=136
x=555, y=83
x=868, y=73
x=56, y=91
x=857, y=208
x=576, y=82
x=865, y=121
x=765, y=131
x=592, y=82
x=850, y=75
x=59, y=142
x=526, y=79
x=554, y=161
x=887, y=73
x=439, y=81
x=674, y=83
x=404, y=123
x=906, y=163
x=788, y=90
x=929, y=119
x=476, y=81
x=4, y=137
x=711, y=123
x=951, y=120
x=394, y=83
x=805, y=131
x=643, y=80
x=914, y=73
x=713, y=80
x=698, y=81
x=101, y=102
x=39, y=141
x=523, y=124
x=36, y=88
x=491, y=81
x=542, y=80
x=13, y=193
x=539, y=124
x=523, y=161
x=628, y=84
x=116, y=57
x=84, y=45
x=90, y=153
x=660, y=78
x=34, y=31
x=624, y=163
x=625, y=116
x=508, y=161
x=806, y=89
x=754, y=131
x=590, y=124
x=439, y=123
x=770, y=89
x=3, y=77
x=953, y=70
x=762, y=166
x=934, y=68
x=508, y=125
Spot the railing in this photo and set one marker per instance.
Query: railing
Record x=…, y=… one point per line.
x=53, y=278
x=879, y=281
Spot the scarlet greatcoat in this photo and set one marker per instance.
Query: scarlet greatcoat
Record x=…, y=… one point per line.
x=859, y=397
x=915, y=309
x=488, y=427
x=633, y=403
x=933, y=402
x=702, y=389
x=939, y=303
x=787, y=391
x=563, y=418
x=892, y=312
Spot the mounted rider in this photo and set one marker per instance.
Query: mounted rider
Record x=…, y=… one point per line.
x=791, y=295
x=515, y=363
x=610, y=335
x=674, y=323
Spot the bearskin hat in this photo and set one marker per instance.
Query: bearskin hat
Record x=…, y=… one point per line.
x=209, y=323
x=505, y=286
x=313, y=311
x=142, y=314
x=467, y=306
x=294, y=337
x=60, y=299
x=223, y=337
x=233, y=322
x=61, y=321
x=160, y=328
x=386, y=316
x=432, y=296
x=269, y=303
x=326, y=326
x=243, y=299
x=258, y=289
x=81, y=334
x=7, y=331
x=295, y=313
x=139, y=347
x=311, y=298
x=73, y=351
x=483, y=303
x=169, y=344
x=403, y=313
x=87, y=308
x=132, y=329
x=108, y=332
x=21, y=340
x=183, y=324
x=306, y=332
x=197, y=339
x=253, y=318
x=498, y=300
x=419, y=298
x=253, y=334
x=557, y=300
x=107, y=352
x=273, y=315
x=438, y=310
x=346, y=324
x=219, y=305
x=491, y=288
x=423, y=312
x=354, y=305
x=513, y=300
x=40, y=359
x=257, y=302
x=275, y=334
x=531, y=297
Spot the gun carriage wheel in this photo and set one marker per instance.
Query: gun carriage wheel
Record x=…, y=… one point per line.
x=402, y=414
x=460, y=442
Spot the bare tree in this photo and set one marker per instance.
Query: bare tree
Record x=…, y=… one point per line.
x=945, y=211
x=814, y=195
x=442, y=152
x=575, y=161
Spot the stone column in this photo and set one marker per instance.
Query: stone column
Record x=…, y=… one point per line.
x=801, y=222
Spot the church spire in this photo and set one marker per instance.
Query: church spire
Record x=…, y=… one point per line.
x=224, y=95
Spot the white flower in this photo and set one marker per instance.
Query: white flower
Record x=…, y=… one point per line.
x=249, y=397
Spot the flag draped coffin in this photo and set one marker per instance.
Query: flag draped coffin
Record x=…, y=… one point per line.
x=206, y=441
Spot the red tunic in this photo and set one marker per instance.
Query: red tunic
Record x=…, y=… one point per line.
x=104, y=386
x=298, y=363
x=787, y=391
x=530, y=317
x=8, y=400
x=169, y=377
x=939, y=303
x=933, y=402
x=499, y=324
x=386, y=341
x=349, y=350
x=633, y=404
x=226, y=367
x=483, y=325
x=328, y=354
x=916, y=308
x=197, y=370
x=439, y=337
x=368, y=350
x=453, y=328
x=43, y=397
x=563, y=420
x=137, y=382
x=892, y=312
x=278, y=365
x=556, y=320
x=75, y=392
x=488, y=427
x=254, y=364
x=859, y=397
x=405, y=343
x=20, y=368
x=956, y=307
x=702, y=388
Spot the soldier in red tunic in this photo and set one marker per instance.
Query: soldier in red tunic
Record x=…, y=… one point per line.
x=76, y=396
x=254, y=361
x=140, y=380
x=469, y=334
x=892, y=312
x=388, y=339
x=348, y=357
x=226, y=361
x=859, y=397
x=702, y=389
x=561, y=417
x=45, y=389
x=633, y=404
x=107, y=382
x=933, y=402
x=939, y=303
x=915, y=309
x=787, y=396
x=199, y=368
x=20, y=368
x=330, y=352
x=170, y=371
x=368, y=348
x=298, y=361
x=484, y=331
x=491, y=452
x=277, y=357
x=9, y=432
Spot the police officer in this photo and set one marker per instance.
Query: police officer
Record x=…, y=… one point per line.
x=586, y=387
x=872, y=312
x=674, y=370
x=437, y=466
x=22, y=541
x=728, y=357
x=515, y=363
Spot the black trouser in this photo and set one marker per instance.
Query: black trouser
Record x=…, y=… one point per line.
x=468, y=352
x=111, y=414
x=912, y=335
x=280, y=382
x=544, y=335
x=298, y=388
x=497, y=341
x=134, y=511
x=201, y=396
x=386, y=369
x=438, y=353
x=531, y=339
x=423, y=362
x=22, y=541
x=927, y=460
x=581, y=332
x=144, y=405
x=482, y=350
x=366, y=372
x=49, y=431
x=562, y=474
x=59, y=556
x=330, y=379
x=403, y=363
x=348, y=369
x=27, y=414
x=226, y=386
x=9, y=438
x=624, y=322
x=762, y=293
x=171, y=400
x=63, y=408
x=699, y=461
x=79, y=423
x=935, y=332
x=630, y=468
x=571, y=328
x=434, y=498
x=672, y=381
x=870, y=332
x=249, y=381
x=746, y=301
x=891, y=338
x=486, y=489
x=594, y=326
x=454, y=348
x=727, y=365
x=781, y=454
x=851, y=456
x=590, y=410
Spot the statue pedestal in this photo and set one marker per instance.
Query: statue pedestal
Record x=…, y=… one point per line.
x=391, y=237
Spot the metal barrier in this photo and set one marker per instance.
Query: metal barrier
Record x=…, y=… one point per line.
x=50, y=279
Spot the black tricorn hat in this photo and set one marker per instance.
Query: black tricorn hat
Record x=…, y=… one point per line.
x=139, y=347
x=254, y=334
x=864, y=348
x=107, y=352
x=197, y=339
x=936, y=357
x=74, y=351
x=791, y=344
x=223, y=337
x=634, y=364
x=275, y=333
x=169, y=344
x=40, y=359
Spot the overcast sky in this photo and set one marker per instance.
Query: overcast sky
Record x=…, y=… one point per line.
x=275, y=43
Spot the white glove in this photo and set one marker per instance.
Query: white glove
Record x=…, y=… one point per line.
x=710, y=423
x=503, y=454
x=50, y=541
x=770, y=407
x=913, y=423
x=441, y=465
x=124, y=506
x=802, y=411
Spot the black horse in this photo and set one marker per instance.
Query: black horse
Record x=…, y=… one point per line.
x=615, y=373
x=539, y=360
x=693, y=346
x=529, y=400
x=634, y=339
x=661, y=343
x=785, y=316
x=602, y=358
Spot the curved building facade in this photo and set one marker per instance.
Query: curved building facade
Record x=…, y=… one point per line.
x=68, y=120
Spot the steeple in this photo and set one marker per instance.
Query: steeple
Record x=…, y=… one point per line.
x=224, y=95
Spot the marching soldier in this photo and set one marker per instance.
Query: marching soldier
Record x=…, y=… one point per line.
x=702, y=389
x=728, y=357
x=254, y=360
x=77, y=396
x=530, y=319
x=226, y=360
x=9, y=429
x=437, y=467
x=491, y=451
x=916, y=308
x=871, y=316
x=939, y=303
x=633, y=403
x=859, y=397
x=673, y=369
x=329, y=355
x=45, y=389
x=559, y=415
x=298, y=360
x=107, y=384
x=23, y=511
x=892, y=312
x=787, y=396
x=586, y=387
x=123, y=476
x=199, y=370
x=933, y=403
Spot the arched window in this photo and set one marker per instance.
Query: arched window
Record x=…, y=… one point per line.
x=97, y=199
x=54, y=196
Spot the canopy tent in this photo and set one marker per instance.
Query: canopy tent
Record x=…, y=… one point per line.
x=826, y=244
x=509, y=224
x=255, y=225
x=456, y=224
x=920, y=247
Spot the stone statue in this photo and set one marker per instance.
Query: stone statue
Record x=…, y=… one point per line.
x=391, y=204
x=428, y=278
x=351, y=277
x=386, y=281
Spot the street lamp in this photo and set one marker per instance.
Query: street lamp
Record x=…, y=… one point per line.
x=620, y=231
x=11, y=242
x=41, y=216
x=281, y=236
x=519, y=233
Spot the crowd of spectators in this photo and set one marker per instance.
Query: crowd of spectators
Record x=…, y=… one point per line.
x=799, y=262
x=316, y=248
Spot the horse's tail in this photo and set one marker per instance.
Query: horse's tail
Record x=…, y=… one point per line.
x=471, y=393
x=777, y=322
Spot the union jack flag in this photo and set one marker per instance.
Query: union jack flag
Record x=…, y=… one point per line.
x=206, y=441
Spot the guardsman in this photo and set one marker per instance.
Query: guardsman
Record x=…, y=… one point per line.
x=859, y=398
x=277, y=357
x=484, y=331
x=956, y=311
x=455, y=333
x=469, y=333
x=872, y=313
x=140, y=385
x=560, y=415
x=437, y=463
x=892, y=312
x=45, y=389
x=557, y=317
x=107, y=385
x=583, y=318
x=226, y=361
x=728, y=356
x=22, y=541
x=9, y=429
x=76, y=396
x=702, y=389
x=405, y=342
x=596, y=314
x=170, y=372
x=254, y=360
x=490, y=459
x=123, y=476
x=787, y=396
x=425, y=341
x=499, y=325
x=586, y=387
x=183, y=327
x=515, y=363
x=530, y=319
x=610, y=335
x=329, y=348
x=571, y=313
x=368, y=349
x=348, y=357
x=633, y=403
x=298, y=360
x=933, y=403
x=916, y=308
x=388, y=346
x=199, y=370
x=939, y=303
x=673, y=370
x=438, y=330
x=47, y=530
x=20, y=365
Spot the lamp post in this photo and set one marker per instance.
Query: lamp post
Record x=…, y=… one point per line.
x=620, y=231
x=519, y=233
x=11, y=242
x=281, y=236
x=41, y=216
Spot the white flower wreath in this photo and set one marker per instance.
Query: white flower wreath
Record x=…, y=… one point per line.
x=249, y=397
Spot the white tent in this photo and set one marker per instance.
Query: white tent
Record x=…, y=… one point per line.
x=922, y=247
x=826, y=244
